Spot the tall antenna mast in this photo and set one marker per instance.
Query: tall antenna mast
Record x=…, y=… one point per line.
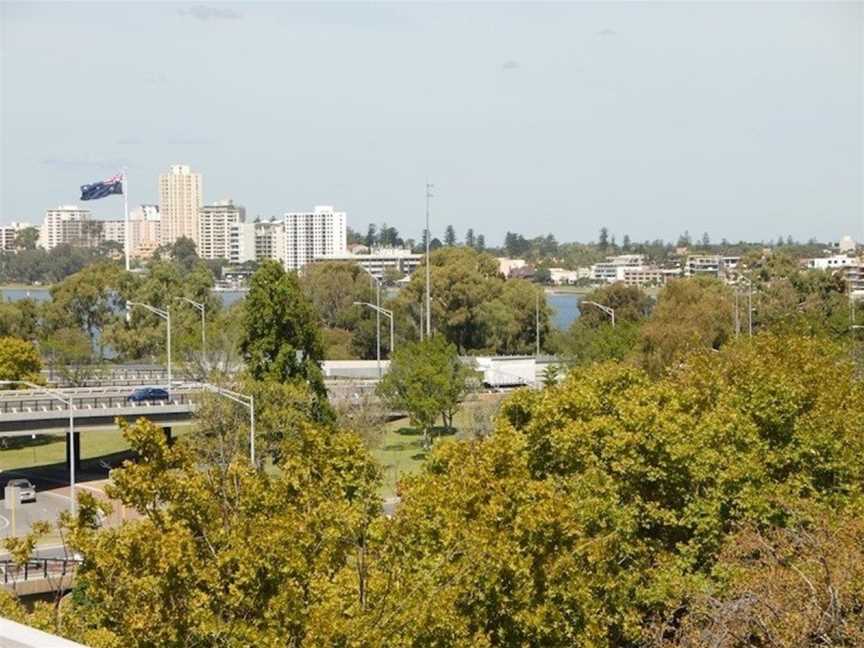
x=429, y=188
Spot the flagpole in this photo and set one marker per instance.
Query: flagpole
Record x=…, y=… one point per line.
x=126, y=211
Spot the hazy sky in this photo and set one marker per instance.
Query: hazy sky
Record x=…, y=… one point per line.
x=742, y=120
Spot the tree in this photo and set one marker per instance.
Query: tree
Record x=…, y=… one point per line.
x=470, y=241
x=625, y=243
x=691, y=314
x=481, y=243
x=427, y=380
x=450, y=236
x=88, y=300
x=281, y=340
x=603, y=240
x=371, y=236
x=19, y=360
x=69, y=352
x=706, y=240
x=27, y=238
x=630, y=303
x=224, y=555
x=602, y=503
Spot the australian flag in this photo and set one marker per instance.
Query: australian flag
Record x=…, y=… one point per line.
x=107, y=187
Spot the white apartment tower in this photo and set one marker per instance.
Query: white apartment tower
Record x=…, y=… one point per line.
x=321, y=232
x=179, y=202
x=69, y=224
x=214, y=228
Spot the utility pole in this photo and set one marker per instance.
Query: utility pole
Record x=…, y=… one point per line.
x=537, y=323
x=429, y=188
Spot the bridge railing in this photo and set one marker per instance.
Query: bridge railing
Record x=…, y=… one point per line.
x=88, y=403
x=37, y=569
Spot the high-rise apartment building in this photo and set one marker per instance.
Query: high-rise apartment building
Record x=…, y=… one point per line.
x=114, y=230
x=144, y=231
x=241, y=243
x=321, y=232
x=68, y=224
x=179, y=202
x=9, y=235
x=214, y=228
x=270, y=240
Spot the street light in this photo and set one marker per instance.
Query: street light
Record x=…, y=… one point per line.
x=749, y=304
x=248, y=401
x=166, y=315
x=377, y=309
x=69, y=404
x=200, y=307
x=606, y=309
x=386, y=313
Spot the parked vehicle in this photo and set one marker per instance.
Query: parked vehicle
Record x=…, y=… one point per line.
x=149, y=395
x=507, y=371
x=26, y=490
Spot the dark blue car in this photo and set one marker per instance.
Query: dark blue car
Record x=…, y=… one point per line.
x=149, y=395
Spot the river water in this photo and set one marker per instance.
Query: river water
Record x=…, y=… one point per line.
x=564, y=304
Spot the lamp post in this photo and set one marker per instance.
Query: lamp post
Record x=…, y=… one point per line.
x=69, y=404
x=537, y=324
x=385, y=313
x=200, y=307
x=378, y=310
x=749, y=304
x=429, y=188
x=166, y=315
x=248, y=401
x=606, y=309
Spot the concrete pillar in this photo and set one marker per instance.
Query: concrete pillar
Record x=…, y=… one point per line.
x=76, y=439
x=168, y=437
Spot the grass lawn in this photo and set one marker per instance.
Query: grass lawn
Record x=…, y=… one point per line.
x=46, y=449
x=401, y=450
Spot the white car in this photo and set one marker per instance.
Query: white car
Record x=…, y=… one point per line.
x=26, y=490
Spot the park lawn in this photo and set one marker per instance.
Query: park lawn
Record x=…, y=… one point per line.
x=47, y=449
x=401, y=451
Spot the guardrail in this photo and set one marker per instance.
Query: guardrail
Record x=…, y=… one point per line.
x=86, y=404
x=37, y=569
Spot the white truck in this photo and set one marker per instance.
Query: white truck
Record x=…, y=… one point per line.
x=507, y=371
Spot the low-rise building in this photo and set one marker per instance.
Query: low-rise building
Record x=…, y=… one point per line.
x=506, y=265
x=832, y=263
x=562, y=277
x=380, y=260
x=612, y=269
x=711, y=265
x=648, y=275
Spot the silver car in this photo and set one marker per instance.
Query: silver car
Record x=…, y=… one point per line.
x=26, y=490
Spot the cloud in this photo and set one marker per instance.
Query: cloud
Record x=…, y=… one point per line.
x=207, y=12
x=606, y=32
x=510, y=64
x=91, y=164
x=155, y=79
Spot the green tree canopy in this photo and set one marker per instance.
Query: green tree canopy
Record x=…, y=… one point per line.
x=427, y=380
x=281, y=338
x=19, y=360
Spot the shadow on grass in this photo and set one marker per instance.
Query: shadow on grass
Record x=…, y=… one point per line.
x=437, y=432
x=18, y=442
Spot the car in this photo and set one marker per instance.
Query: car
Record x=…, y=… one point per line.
x=149, y=395
x=26, y=490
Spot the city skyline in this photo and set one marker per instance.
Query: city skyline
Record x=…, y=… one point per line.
x=558, y=118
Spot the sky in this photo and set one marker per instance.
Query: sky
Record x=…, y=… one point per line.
x=736, y=119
